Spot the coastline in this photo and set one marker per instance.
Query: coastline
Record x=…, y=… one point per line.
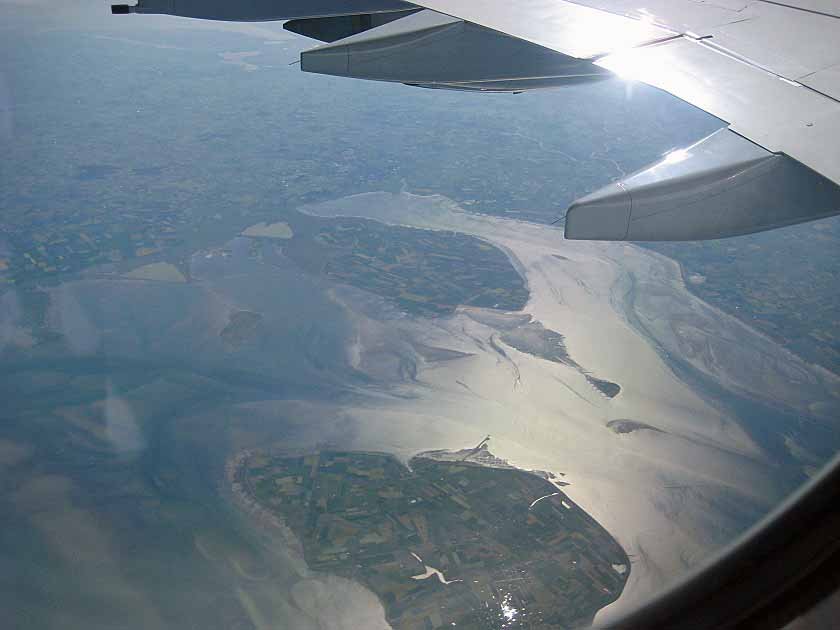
x=624, y=481
x=582, y=527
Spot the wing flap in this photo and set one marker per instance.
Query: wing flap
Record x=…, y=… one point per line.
x=790, y=38
x=825, y=81
x=787, y=42
x=565, y=27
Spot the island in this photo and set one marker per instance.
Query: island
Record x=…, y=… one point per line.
x=423, y=272
x=453, y=539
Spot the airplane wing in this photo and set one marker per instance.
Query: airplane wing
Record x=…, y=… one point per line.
x=769, y=69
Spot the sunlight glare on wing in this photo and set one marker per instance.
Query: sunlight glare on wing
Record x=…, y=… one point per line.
x=675, y=156
x=631, y=64
x=652, y=65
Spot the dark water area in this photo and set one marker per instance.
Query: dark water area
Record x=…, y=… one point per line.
x=767, y=425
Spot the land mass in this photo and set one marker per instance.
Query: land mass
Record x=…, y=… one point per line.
x=442, y=542
x=629, y=426
x=535, y=339
x=274, y=230
x=423, y=272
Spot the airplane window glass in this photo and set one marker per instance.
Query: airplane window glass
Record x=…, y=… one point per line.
x=282, y=349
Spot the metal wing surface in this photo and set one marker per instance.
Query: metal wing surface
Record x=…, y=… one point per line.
x=770, y=70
